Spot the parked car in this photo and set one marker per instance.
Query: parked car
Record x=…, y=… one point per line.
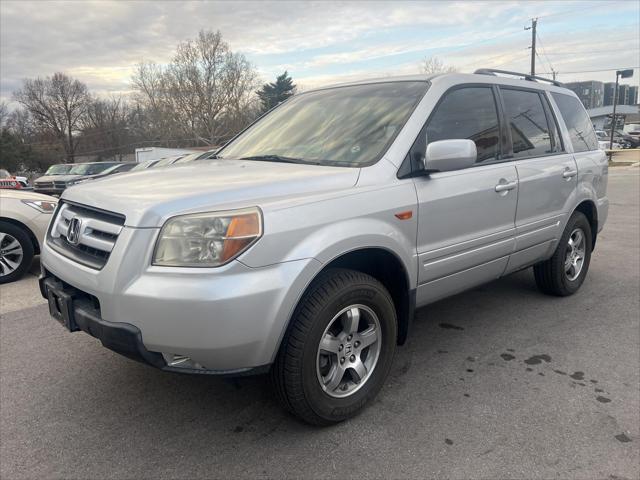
x=604, y=141
x=194, y=156
x=165, y=162
x=8, y=181
x=24, y=216
x=57, y=183
x=305, y=247
x=625, y=138
x=44, y=184
x=144, y=165
x=118, y=168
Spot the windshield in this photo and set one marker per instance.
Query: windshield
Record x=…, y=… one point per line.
x=166, y=161
x=114, y=168
x=89, y=168
x=61, y=169
x=346, y=126
x=189, y=158
x=143, y=165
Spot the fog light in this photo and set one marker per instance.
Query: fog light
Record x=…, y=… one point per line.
x=181, y=361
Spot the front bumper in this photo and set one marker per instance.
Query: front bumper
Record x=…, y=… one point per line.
x=48, y=190
x=228, y=320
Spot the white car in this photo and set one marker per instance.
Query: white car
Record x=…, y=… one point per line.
x=604, y=141
x=24, y=217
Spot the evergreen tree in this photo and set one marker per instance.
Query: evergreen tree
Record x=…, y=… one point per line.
x=271, y=94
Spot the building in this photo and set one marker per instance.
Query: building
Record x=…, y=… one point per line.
x=633, y=95
x=627, y=94
x=609, y=90
x=601, y=117
x=623, y=94
x=156, y=153
x=590, y=93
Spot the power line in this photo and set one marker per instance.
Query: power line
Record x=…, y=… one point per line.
x=594, y=71
x=590, y=51
x=566, y=12
x=543, y=50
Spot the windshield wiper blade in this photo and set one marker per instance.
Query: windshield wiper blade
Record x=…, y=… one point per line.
x=274, y=158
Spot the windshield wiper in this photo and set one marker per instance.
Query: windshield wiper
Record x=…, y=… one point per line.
x=274, y=158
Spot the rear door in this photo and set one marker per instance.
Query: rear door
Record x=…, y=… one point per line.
x=547, y=174
x=465, y=217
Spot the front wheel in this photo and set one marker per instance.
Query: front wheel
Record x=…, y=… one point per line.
x=16, y=252
x=338, y=350
x=565, y=271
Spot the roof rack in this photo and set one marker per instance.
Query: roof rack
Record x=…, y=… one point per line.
x=526, y=76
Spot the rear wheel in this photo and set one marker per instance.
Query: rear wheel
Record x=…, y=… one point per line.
x=16, y=252
x=338, y=350
x=565, y=271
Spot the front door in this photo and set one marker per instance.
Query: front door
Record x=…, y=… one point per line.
x=465, y=217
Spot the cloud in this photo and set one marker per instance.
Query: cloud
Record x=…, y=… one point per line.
x=100, y=41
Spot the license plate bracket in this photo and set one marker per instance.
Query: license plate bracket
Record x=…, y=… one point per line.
x=61, y=306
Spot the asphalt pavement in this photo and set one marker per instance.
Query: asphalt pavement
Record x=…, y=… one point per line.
x=498, y=382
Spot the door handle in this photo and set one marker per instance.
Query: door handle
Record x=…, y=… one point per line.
x=568, y=173
x=505, y=187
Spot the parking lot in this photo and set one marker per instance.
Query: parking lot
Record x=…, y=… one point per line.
x=498, y=382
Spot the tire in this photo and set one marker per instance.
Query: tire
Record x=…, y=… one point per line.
x=299, y=372
x=12, y=265
x=552, y=276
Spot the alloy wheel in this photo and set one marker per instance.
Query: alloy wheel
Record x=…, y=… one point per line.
x=10, y=254
x=348, y=351
x=574, y=259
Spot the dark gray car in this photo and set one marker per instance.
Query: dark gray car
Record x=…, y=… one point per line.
x=57, y=183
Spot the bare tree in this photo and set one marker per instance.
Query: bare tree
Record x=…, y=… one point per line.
x=4, y=114
x=432, y=65
x=105, y=127
x=57, y=105
x=201, y=94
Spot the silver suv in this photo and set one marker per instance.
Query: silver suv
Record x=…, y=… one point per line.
x=304, y=247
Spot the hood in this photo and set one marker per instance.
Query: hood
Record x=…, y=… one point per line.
x=147, y=198
x=65, y=178
x=26, y=195
x=56, y=178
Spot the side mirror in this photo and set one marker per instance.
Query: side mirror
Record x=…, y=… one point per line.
x=448, y=155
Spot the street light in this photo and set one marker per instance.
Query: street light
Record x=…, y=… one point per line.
x=619, y=74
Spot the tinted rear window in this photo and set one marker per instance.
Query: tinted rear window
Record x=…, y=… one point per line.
x=581, y=132
x=528, y=123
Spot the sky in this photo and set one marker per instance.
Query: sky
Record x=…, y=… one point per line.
x=318, y=43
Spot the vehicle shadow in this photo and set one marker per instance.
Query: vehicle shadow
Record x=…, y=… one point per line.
x=248, y=404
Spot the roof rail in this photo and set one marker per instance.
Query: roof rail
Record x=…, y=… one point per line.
x=526, y=76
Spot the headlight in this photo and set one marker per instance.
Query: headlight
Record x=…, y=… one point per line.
x=207, y=239
x=42, y=206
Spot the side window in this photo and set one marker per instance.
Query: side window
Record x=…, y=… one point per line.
x=470, y=113
x=528, y=123
x=578, y=122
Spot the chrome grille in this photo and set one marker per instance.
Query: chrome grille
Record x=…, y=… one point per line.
x=94, y=238
x=43, y=184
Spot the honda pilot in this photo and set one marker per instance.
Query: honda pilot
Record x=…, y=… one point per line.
x=304, y=247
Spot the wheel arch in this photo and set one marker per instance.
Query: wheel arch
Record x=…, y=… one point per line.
x=589, y=209
x=32, y=237
x=386, y=267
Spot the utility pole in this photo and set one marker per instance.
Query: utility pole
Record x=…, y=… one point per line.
x=619, y=74
x=534, y=24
